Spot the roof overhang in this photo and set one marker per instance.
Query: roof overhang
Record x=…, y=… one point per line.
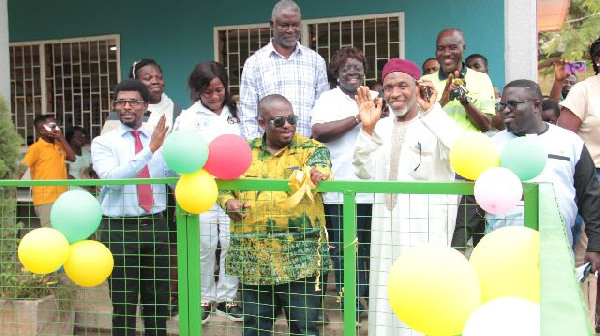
x=551, y=14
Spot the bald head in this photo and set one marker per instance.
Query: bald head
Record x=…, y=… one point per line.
x=451, y=31
x=265, y=104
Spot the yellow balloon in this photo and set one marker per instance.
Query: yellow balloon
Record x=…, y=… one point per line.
x=43, y=250
x=197, y=192
x=507, y=262
x=89, y=263
x=434, y=290
x=472, y=153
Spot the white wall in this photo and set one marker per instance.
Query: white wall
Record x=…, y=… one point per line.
x=520, y=40
x=4, y=55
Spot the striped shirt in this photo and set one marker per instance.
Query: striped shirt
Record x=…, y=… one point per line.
x=301, y=78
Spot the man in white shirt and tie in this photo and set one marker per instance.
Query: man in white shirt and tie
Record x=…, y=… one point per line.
x=134, y=227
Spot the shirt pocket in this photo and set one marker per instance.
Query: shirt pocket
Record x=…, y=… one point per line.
x=420, y=159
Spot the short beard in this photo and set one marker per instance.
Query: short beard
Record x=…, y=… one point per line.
x=281, y=41
x=129, y=124
x=401, y=112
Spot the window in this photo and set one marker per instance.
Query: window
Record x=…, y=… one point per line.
x=71, y=79
x=380, y=37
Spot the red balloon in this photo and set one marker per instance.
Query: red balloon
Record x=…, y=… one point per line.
x=229, y=156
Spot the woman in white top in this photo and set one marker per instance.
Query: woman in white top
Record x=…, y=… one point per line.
x=580, y=113
x=150, y=74
x=214, y=113
x=80, y=169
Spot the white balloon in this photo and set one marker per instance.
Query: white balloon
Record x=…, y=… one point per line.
x=498, y=190
x=504, y=316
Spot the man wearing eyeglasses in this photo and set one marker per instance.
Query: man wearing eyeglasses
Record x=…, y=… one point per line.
x=278, y=247
x=283, y=66
x=134, y=227
x=412, y=144
x=569, y=167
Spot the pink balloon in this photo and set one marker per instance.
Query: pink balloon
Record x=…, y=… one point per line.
x=498, y=190
x=229, y=156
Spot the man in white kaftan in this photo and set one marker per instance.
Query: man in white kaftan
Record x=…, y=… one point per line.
x=411, y=145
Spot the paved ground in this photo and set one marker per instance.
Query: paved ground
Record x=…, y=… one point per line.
x=94, y=311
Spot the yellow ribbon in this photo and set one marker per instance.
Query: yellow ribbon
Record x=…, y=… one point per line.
x=300, y=185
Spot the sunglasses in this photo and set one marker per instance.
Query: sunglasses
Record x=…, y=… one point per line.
x=280, y=121
x=512, y=105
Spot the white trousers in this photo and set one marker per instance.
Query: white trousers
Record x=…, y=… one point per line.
x=214, y=229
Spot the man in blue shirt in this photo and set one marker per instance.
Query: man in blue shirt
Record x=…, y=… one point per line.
x=134, y=228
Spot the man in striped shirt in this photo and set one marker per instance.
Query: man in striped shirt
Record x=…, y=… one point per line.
x=284, y=67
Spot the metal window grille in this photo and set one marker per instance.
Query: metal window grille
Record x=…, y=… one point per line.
x=233, y=45
x=380, y=37
x=71, y=79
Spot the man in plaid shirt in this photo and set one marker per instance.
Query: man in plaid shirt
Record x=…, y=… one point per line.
x=285, y=67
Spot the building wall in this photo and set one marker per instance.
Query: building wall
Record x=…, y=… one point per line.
x=179, y=33
x=4, y=55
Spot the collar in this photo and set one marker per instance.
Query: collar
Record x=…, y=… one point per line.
x=43, y=142
x=443, y=76
x=126, y=129
x=271, y=49
x=261, y=143
x=199, y=108
x=546, y=128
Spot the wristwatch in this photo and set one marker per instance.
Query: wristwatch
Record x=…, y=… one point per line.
x=466, y=101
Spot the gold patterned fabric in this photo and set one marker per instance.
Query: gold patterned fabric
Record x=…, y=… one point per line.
x=273, y=244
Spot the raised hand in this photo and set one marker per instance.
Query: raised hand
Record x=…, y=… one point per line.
x=369, y=112
x=424, y=102
x=560, y=74
x=158, y=136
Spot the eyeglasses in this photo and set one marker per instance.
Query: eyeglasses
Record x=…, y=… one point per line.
x=132, y=102
x=280, y=121
x=512, y=105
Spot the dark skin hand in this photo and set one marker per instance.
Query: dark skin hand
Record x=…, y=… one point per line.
x=158, y=136
x=316, y=176
x=594, y=259
x=560, y=75
x=236, y=209
x=57, y=134
x=482, y=121
x=329, y=131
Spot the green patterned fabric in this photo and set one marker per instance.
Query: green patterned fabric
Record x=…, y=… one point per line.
x=273, y=244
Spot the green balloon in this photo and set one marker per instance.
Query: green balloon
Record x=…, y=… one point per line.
x=525, y=157
x=185, y=152
x=76, y=214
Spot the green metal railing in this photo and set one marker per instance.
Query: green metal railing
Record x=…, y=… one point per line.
x=555, y=255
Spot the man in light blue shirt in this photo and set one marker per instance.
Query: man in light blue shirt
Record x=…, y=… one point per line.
x=134, y=228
